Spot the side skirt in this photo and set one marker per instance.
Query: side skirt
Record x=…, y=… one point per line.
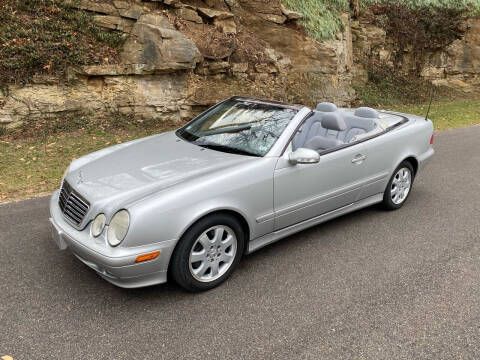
x=272, y=237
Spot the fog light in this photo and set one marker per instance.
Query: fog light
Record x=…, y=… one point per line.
x=147, y=257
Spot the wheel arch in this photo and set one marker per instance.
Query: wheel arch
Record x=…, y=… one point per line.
x=413, y=161
x=236, y=214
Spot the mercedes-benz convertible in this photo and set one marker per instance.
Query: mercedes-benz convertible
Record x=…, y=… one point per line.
x=188, y=204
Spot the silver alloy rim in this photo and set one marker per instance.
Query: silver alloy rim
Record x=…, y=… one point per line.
x=401, y=184
x=213, y=253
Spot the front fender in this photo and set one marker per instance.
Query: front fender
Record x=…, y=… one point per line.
x=168, y=214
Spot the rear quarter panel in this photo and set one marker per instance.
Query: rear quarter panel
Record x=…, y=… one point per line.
x=387, y=151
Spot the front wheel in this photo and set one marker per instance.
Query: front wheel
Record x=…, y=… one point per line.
x=208, y=253
x=399, y=187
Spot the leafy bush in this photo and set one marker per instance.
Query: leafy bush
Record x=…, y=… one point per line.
x=418, y=28
x=322, y=17
x=47, y=36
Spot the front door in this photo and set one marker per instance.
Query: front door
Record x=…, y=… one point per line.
x=304, y=191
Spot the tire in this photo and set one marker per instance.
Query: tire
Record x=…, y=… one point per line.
x=217, y=242
x=402, y=181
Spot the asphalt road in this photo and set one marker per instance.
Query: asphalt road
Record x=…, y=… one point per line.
x=369, y=285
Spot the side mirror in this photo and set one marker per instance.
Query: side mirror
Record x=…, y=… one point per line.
x=303, y=156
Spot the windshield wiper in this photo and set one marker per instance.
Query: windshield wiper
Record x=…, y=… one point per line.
x=228, y=149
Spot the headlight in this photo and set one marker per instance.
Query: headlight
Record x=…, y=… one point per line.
x=97, y=225
x=118, y=227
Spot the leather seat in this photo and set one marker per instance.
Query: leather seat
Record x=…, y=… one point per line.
x=340, y=126
x=333, y=123
x=356, y=126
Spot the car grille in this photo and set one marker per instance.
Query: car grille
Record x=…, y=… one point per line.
x=73, y=206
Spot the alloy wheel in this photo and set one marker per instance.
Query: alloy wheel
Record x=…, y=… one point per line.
x=401, y=184
x=213, y=253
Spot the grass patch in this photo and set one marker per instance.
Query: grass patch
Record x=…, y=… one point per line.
x=47, y=36
x=393, y=93
x=387, y=87
x=33, y=166
x=447, y=115
x=321, y=18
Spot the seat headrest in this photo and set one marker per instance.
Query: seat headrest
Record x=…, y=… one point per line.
x=366, y=112
x=333, y=121
x=326, y=107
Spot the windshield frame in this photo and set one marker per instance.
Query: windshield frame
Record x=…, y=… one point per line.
x=300, y=110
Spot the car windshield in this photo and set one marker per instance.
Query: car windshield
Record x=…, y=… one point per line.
x=239, y=126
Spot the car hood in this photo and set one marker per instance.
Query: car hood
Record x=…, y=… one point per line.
x=135, y=169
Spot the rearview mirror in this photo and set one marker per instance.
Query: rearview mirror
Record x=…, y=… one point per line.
x=303, y=156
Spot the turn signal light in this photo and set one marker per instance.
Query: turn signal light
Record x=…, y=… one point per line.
x=147, y=257
x=431, y=140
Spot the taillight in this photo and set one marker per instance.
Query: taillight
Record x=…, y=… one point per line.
x=431, y=140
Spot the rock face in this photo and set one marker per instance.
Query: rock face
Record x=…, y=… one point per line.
x=180, y=57
x=456, y=66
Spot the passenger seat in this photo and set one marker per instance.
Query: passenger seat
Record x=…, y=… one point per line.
x=333, y=123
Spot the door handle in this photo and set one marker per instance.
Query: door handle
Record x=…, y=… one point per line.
x=358, y=159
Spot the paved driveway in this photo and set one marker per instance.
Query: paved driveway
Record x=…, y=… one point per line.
x=372, y=285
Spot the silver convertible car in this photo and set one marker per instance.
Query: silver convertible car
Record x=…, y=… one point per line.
x=188, y=204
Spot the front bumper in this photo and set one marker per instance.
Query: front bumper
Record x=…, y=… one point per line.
x=116, y=265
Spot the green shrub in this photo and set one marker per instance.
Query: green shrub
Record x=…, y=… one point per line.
x=322, y=17
x=47, y=36
x=418, y=29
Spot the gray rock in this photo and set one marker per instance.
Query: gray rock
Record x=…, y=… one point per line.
x=227, y=26
x=240, y=67
x=114, y=22
x=133, y=12
x=100, y=7
x=278, y=19
x=215, y=14
x=157, y=45
x=188, y=14
x=290, y=14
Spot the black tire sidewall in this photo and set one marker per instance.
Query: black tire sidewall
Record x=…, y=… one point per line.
x=387, y=198
x=180, y=267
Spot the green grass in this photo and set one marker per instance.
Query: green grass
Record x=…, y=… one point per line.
x=321, y=17
x=29, y=167
x=447, y=115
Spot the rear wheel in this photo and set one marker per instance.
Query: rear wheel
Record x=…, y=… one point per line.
x=399, y=186
x=208, y=252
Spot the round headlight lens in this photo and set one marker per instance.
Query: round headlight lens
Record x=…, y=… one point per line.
x=118, y=227
x=98, y=225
